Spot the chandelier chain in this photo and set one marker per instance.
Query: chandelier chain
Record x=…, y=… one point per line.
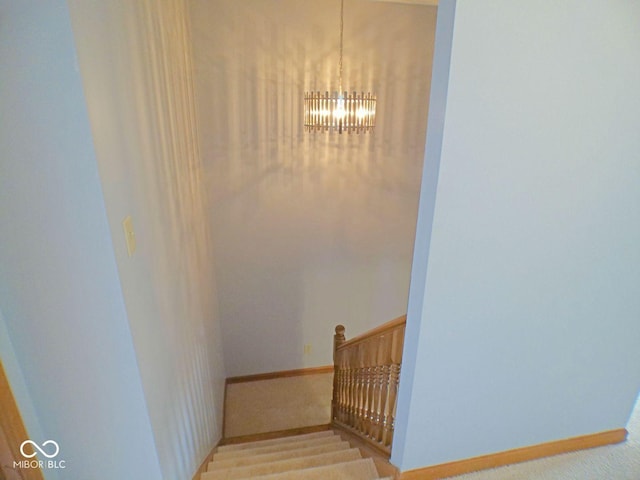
x=341, y=43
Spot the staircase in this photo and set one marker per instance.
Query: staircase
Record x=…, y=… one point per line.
x=314, y=456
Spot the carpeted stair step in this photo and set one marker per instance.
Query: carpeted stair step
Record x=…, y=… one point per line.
x=316, y=456
x=275, y=441
x=282, y=455
x=297, y=464
x=363, y=469
x=292, y=444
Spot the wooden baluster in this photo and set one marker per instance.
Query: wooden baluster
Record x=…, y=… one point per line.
x=384, y=407
x=370, y=385
x=396, y=358
x=338, y=339
x=384, y=430
x=360, y=388
x=367, y=385
x=337, y=385
x=348, y=386
x=344, y=389
x=365, y=380
x=353, y=387
x=339, y=397
x=353, y=365
x=387, y=423
x=374, y=388
x=359, y=375
x=353, y=390
x=393, y=396
x=384, y=360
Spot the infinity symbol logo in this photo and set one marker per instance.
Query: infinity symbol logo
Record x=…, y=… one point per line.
x=37, y=447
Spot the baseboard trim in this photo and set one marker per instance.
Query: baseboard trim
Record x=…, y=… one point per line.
x=205, y=462
x=517, y=455
x=281, y=374
x=13, y=430
x=279, y=434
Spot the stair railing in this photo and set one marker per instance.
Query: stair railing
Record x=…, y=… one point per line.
x=365, y=382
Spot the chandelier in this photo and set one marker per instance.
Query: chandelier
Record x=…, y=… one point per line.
x=341, y=110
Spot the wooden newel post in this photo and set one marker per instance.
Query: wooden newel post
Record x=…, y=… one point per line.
x=338, y=339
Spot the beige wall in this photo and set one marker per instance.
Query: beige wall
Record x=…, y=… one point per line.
x=310, y=229
x=135, y=60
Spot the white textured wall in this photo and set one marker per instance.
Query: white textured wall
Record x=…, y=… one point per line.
x=135, y=62
x=59, y=289
x=527, y=324
x=311, y=229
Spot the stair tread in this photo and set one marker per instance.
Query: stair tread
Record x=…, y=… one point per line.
x=275, y=456
x=286, y=465
x=362, y=469
x=275, y=441
x=280, y=447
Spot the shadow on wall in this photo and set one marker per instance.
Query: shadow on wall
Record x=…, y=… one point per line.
x=136, y=65
x=311, y=229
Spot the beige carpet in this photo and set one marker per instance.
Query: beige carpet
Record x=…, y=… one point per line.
x=278, y=404
x=612, y=462
x=314, y=456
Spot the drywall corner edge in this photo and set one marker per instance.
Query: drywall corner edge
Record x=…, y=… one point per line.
x=426, y=209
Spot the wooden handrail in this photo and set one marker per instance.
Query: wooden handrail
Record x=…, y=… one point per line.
x=365, y=383
x=390, y=325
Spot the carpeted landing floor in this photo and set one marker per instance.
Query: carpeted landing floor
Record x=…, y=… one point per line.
x=613, y=462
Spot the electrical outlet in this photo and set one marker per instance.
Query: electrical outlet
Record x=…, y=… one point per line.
x=307, y=349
